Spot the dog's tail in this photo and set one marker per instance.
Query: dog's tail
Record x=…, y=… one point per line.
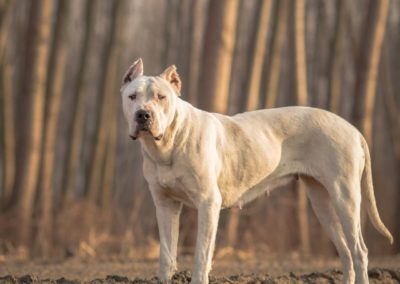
x=368, y=195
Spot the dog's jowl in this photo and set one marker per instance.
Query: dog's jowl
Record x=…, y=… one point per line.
x=211, y=161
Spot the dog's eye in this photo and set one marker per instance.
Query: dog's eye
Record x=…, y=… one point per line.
x=160, y=96
x=132, y=97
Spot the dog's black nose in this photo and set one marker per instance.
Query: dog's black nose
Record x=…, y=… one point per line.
x=143, y=116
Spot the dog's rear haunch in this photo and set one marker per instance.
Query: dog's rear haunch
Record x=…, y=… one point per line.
x=211, y=161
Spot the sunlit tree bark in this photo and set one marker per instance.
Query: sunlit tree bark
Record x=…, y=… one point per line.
x=5, y=14
x=218, y=55
x=373, y=66
x=361, y=50
x=7, y=72
x=56, y=81
x=97, y=162
x=109, y=114
x=336, y=73
x=260, y=49
x=40, y=74
x=278, y=40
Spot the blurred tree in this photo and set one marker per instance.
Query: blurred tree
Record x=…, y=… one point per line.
x=44, y=238
x=246, y=31
x=218, y=53
x=361, y=61
x=74, y=146
x=7, y=72
x=274, y=68
x=5, y=14
x=392, y=109
x=197, y=30
x=40, y=73
x=171, y=32
x=373, y=65
x=302, y=97
x=108, y=112
x=336, y=59
x=104, y=111
x=258, y=54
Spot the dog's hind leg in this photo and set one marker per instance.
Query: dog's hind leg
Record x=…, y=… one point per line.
x=326, y=214
x=348, y=207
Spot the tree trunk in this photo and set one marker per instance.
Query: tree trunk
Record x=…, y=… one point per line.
x=336, y=59
x=31, y=173
x=278, y=40
x=244, y=43
x=110, y=112
x=7, y=108
x=301, y=68
x=392, y=112
x=361, y=65
x=218, y=55
x=301, y=84
x=391, y=105
x=97, y=161
x=75, y=143
x=56, y=76
x=373, y=66
x=197, y=28
x=253, y=91
x=5, y=15
x=108, y=179
x=171, y=51
x=8, y=141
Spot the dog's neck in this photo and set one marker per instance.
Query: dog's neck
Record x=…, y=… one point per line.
x=161, y=151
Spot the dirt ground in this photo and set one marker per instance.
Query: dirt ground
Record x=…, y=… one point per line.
x=225, y=270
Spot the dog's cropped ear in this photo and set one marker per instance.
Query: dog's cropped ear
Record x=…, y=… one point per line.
x=135, y=70
x=172, y=77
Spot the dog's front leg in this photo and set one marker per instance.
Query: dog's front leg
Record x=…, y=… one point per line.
x=168, y=212
x=208, y=215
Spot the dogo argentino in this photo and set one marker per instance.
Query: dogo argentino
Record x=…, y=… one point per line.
x=211, y=161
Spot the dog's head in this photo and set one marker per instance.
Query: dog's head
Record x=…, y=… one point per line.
x=149, y=102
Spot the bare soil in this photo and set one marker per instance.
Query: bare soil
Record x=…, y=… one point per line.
x=225, y=270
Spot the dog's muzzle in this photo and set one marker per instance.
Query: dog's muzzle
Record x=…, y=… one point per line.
x=143, y=119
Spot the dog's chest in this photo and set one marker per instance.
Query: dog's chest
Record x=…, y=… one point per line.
x=170, y=180
x=166, y=176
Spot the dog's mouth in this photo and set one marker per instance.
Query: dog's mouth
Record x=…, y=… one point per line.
x=146, y=129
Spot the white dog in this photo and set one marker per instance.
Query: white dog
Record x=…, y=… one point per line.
x=211, y=161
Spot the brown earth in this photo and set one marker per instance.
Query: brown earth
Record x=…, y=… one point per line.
x=226, y=270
